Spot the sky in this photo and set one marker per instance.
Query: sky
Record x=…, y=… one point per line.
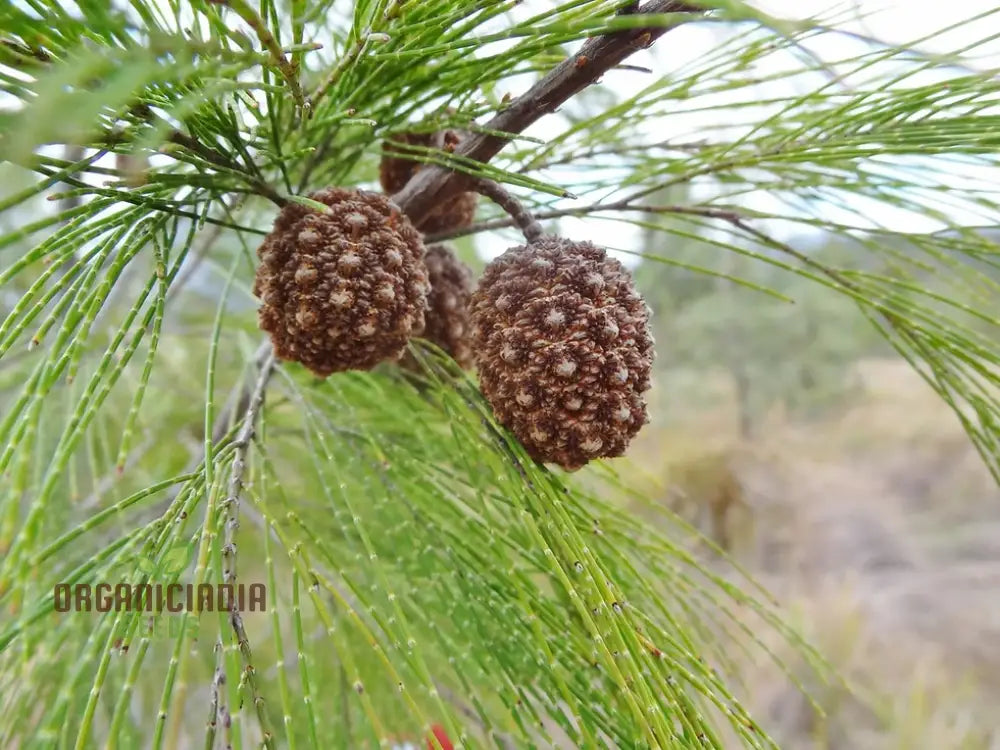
x=916, y=23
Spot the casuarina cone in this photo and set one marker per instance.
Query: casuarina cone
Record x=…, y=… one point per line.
x=345, y=288
x=562, y=344
x=447, y=318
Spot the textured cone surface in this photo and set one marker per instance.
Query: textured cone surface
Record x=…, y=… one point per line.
x=562, y=344
x=395, y=171
x=447, y=317
x=341, y=290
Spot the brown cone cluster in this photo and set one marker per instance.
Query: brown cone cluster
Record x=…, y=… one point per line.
x=563, y=349
x=344, y=289
x=447, y=318
x=395, y=171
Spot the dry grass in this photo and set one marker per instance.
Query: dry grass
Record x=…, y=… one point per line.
x=878, y=528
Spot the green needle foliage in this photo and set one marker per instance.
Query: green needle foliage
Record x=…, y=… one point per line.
x=420, y=569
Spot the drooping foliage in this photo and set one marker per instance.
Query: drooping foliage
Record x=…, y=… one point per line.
x=420, y=568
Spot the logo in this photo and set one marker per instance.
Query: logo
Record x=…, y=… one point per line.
x=155, y=595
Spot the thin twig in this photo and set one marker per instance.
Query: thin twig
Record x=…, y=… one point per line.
x=741, y=223
x=626, y=204
x=346, y=60
x=237, y=403
x=886, y=316
x=212, y=156
x=218, y=710
x=434, y=184
x=389, y=14
x=255, y=403
x=127, y=196
x=519, y=215
x=617, y=150
x=289, y=71
x=737, y=220
x=208, y=154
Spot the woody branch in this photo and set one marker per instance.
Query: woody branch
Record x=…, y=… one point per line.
x=434, y=184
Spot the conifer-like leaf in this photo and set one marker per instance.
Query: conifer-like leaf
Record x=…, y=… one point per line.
x=419, y=568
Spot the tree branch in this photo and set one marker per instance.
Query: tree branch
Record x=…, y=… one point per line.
x=433, y=184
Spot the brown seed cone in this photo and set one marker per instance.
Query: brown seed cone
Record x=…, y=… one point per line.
x=341, y=290
x=395, y=171
x=562, y=343
x=447, y=318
